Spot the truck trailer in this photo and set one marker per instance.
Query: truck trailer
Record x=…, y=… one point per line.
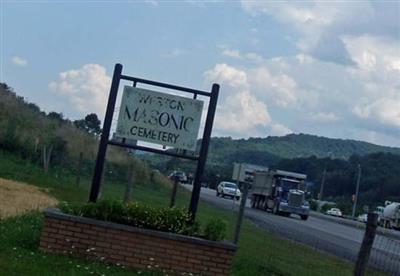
x=281, y=192
x=391, y=215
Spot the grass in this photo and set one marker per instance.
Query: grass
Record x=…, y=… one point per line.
x=259, y=253
x=17, y=198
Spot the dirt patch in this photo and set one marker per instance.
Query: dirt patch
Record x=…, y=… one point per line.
x=18, y=198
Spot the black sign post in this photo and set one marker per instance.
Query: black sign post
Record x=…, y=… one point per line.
x=105, y=141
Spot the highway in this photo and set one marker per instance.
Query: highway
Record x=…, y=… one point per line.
x=327, y=235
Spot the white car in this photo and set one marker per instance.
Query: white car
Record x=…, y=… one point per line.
x=362, y=218
x=334, y=212
x=228, y=189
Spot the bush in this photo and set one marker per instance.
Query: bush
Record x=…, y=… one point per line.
x=215, y=230
x=326, y=207
x=174, y=220
x=313, y=205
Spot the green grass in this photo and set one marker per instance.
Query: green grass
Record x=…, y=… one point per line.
x=259, y=253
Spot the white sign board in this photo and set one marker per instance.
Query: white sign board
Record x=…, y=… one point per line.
x=245, y=172
x=159, y=118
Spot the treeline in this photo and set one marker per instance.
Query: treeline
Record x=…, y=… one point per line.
x=54, y=142
x=380, y=180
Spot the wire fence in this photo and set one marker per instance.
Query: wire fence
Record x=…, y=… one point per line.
x=385, y=256
x=341, y=239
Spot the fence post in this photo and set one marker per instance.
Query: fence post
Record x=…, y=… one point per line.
x=79, y=169
x=129, y=184
x=175, y=187
x=366, y=246
x=241, y=212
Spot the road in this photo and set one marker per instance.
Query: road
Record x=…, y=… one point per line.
x=330, y=236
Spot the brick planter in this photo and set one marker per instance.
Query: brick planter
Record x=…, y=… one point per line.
x=134, y=247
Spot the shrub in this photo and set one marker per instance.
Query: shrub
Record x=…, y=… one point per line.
x=215, y=229
x=313, y=205
x=326, y=207
x=174, y=220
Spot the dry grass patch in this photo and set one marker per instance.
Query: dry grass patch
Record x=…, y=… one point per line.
x=18, y=198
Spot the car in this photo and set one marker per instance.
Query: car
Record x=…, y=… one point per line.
x=334, y=212
x=362, y=218
x=228, y=189
x=181, y=176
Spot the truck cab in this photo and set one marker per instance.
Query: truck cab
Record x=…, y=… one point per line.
x=281, y=192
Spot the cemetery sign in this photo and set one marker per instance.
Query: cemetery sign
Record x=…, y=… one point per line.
x=159, y=118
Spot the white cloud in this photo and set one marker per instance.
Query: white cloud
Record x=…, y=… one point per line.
x=153, y=3
x=231, y=53
x=323, y=117
x=240, y=112
x=280, y=130
x=304, y=94
x=227, y=75
x=319, y=25
x=383, y=110
x=280, y=88
x=85, y=88
x=377, y=62
x=372, y=53
x=19, y=61
x=249, y=56
x=254, y=57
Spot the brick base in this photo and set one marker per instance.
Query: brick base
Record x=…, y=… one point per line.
x=134, y=247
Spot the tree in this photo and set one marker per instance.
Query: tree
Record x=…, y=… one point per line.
x=90, y=124
x=56, y=116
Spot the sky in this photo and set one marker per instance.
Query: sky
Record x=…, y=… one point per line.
x=328, y=68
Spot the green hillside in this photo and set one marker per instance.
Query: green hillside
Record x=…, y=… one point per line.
x=56, y=143
x=294, y=146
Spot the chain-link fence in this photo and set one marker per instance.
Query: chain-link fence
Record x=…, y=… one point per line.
x=322, y=245
x=385, y=256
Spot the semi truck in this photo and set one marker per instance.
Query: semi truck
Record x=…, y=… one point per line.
x=281, y=192
x=390, y=217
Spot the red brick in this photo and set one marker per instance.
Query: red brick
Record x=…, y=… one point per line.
x=80, y=235
x=102, y=244
x=65, y=232
x=96, y=228
x=50, y=230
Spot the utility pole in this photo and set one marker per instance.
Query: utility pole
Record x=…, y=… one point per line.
x=321, y=192
x=357, y=189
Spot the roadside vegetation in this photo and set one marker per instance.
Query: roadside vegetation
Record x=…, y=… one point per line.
x=259, y=253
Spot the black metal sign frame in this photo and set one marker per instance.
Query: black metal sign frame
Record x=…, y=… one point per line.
x=105, y=141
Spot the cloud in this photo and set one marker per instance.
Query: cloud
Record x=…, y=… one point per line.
x=19, y=61
x=227, y=75
x=278, y=88
x=323, y=117
x=85, y=88
x=302, y=93
x=320, y=25
x=231, y=53
x=249, y=56
x=384, y=110
x=240, y=112
x=153, y=3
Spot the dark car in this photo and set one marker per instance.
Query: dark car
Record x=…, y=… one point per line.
x=180, y=176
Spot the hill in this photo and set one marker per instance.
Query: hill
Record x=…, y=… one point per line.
x=295, y=146
x=56, y=143
x=224, y=151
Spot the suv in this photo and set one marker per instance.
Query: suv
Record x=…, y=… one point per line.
x=181, y=176
x=228, y=189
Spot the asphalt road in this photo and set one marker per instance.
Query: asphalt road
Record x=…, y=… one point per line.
x=326, y=235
